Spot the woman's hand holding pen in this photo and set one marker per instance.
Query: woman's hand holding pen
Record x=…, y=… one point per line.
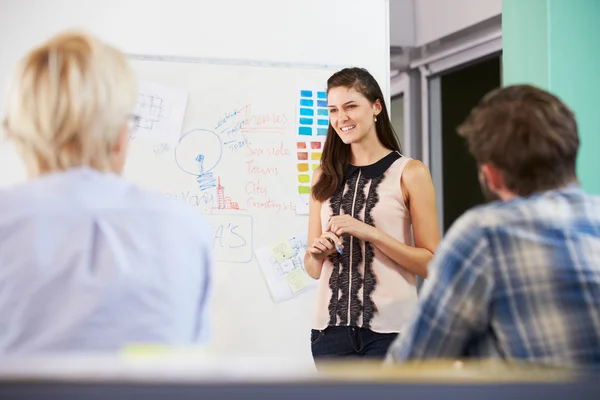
x=329, y=242
x=347, y=225
x=325, y=245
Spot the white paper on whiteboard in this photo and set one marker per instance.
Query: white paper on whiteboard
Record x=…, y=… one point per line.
x=282, y=265
x=161, y=110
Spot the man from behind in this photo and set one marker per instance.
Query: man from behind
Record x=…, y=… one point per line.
x=88, y=261
x=519, y=278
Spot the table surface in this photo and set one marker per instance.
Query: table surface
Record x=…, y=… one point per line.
x=192, y=376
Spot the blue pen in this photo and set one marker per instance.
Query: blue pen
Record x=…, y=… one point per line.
x=338, y=248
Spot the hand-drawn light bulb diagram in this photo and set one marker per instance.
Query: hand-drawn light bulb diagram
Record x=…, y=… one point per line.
x=198, y=153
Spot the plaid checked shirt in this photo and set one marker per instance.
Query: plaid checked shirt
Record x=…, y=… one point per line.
x=519, y=280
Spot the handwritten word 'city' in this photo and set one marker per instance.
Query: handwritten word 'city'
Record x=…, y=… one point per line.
x=254, y=187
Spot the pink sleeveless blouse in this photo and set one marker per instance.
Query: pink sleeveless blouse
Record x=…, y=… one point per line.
x=363, y=287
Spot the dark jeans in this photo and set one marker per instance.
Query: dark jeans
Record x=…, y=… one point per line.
x=347, y=341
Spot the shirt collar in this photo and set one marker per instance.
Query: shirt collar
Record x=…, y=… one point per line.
x=373, y=170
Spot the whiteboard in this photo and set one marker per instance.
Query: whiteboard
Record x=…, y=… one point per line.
x=220, y=31
x=243, y=120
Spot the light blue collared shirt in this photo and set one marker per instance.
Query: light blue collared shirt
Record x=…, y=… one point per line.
x=90, y=262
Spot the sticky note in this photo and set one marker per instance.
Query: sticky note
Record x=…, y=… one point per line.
x=315, y=145
x=302, y=167
x=305, y=131
x=301, y=145
x=315, y=166
x=304, y=156
x=282, y=251
x=305, y=178
x=315, y=156
x=297, y=279
x=303, y=189
x=307, y=112
x=143, y=351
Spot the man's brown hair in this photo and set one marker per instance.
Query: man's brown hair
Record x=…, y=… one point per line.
x=527, y=133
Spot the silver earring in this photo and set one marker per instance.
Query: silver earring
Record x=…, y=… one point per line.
x=375, y=119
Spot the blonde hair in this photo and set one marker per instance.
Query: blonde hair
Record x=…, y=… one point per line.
x=68, y=103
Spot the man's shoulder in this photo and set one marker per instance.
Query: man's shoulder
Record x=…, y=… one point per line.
x=546, y=208
x=499, y=213
x=471, y=230
x=471, y=221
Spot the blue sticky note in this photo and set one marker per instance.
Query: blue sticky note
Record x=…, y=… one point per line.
x=309, y=112
x=306, y=93
x=305, y=131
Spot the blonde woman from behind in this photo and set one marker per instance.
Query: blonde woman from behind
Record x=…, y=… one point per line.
x=89, y=261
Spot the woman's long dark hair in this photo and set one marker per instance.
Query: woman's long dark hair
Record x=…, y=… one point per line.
x=336, y=154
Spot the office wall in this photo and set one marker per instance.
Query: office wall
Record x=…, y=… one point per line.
x=414, y=23
x=397, y=117
x=435, y=19
x=554, y=44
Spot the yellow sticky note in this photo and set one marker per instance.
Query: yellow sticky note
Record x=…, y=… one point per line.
x=297, y=279
x=304, y=189
x=304, y=178
x=144, y=350
x=282, y=250
x=139, y=350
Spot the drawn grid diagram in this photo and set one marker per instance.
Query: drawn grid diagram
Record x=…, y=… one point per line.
x=150, y=110
x=313, y=121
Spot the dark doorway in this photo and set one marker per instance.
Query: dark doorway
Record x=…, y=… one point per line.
x=461, y=90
